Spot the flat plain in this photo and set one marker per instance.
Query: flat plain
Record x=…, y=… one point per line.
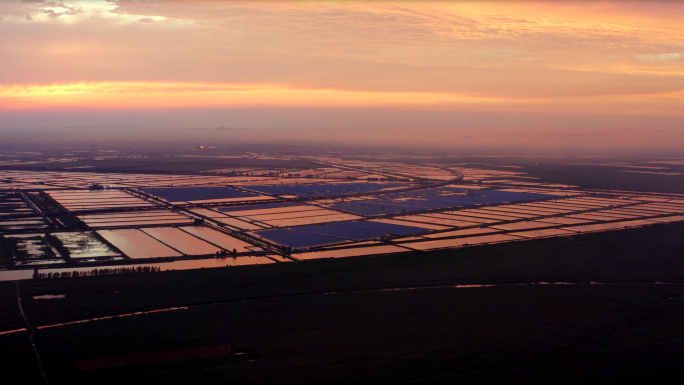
x=592, y=307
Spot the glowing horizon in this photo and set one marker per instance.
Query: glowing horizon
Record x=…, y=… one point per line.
x=156, y=95
x=140, y=95
x=499, y=64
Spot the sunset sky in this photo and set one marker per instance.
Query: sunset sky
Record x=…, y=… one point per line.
x=547, y=67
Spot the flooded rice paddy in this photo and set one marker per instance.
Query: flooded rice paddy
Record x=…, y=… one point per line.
x=53, y=219
x=136, y=244
x=85, y=245
x=179, y=194
x=217, y=238
x=181, y=241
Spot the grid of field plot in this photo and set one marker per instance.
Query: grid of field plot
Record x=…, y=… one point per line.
x=431, y=199
x=58, y=179
x=507, y=206
x=513, y=222
x=217, y=238
x=313, y=235
x=22, y=223
x=353, y=252
x=135, y=218
x=136, y=244
x=319, y=190
x=85, y=245
x=11, y=203
x=181, y=241
x=75, y=200
x=32, y=249
x=289, y=215
x=205, y=194
x=231, y=222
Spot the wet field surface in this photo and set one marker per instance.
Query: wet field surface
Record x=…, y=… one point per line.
x=495, y=276
x=71, y=222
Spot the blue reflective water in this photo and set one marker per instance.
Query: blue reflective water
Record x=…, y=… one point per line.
x=175, y=194
x=384, y=228
x=297, y=238
x=314, y=235
x=256, y=207
x=338, y=231
x=309, y=190
x=433, y=199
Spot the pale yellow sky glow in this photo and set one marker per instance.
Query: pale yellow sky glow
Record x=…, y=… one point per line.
x=543, y=60
x=141, y=95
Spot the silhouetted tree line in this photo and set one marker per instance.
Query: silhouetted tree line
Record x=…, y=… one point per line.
x=96, y=272
x=224, y=253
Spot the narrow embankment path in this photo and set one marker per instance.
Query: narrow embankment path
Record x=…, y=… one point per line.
x=32, y=333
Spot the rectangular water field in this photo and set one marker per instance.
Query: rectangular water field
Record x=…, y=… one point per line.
x=479, y=214
x=455, y=215
x=86, y=245
x=564, y=220
x=297, y=214
x=178, y=194
x=294, y=238
x=673, y=218
x=450, y=221
x=358, y=230
x=495, y=214
x=635, y=210
x=522, y=225
x=217, y=238
x=314, y=190
x=609, y=226
x=509, y=211
x=134, y=218
x=230, y=209
x=542, y=233
x=136, y=244
x=273, y=210
x=32, y=249
x=660, y=209
x=208, y=213
x=460, y=233
x=339, y=232
x=354, y=252
x=459, y=242
x=240, y=224
x=232, y=200
x=312, y=220
x=22, y=224
x=550, y=208
x=400, y=222
x=181, y=241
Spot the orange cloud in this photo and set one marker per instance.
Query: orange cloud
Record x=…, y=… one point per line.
x=194, y=95
x=585, y=59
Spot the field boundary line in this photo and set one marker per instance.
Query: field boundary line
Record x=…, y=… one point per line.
x=32, y=333
x=376, y=290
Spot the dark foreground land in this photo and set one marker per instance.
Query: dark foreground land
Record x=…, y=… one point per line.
x=377, y=319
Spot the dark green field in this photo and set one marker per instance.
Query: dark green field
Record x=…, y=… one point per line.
x=335, y=320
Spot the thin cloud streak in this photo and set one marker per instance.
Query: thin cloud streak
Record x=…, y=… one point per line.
x=488, y=63
x=155, y=95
